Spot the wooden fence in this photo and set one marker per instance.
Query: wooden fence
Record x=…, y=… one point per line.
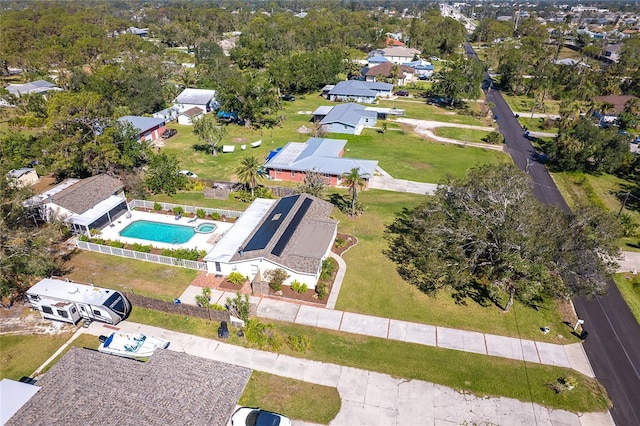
x=177, y=308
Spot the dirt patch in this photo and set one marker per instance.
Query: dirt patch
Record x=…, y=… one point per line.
x=423, y=166
x=240, y=139
x=21, y=319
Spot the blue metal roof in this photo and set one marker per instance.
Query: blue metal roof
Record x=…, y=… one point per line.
x=360, y=88
x=349, y=114
x=320, y=155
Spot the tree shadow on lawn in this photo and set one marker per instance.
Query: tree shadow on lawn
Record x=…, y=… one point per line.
x=202, y=147
x=481, y=294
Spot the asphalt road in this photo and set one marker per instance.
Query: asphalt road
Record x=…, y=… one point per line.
x=612, y=341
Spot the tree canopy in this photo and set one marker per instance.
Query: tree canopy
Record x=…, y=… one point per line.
x=485, y=235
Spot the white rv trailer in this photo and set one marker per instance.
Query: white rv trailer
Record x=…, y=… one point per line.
x=69, y=302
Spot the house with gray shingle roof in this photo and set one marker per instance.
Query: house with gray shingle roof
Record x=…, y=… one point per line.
x=86, y=387
x=293, y=233
x=346, y=118
x=320, y=155
x=83, y=204
x=148, y=128
x=359, y=91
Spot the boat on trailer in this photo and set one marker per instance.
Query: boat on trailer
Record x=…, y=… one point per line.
x=131, y=345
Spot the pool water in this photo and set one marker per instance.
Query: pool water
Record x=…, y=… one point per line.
x=160, y=232
x=205, y=228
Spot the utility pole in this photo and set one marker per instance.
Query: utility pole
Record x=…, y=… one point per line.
x=624, y=203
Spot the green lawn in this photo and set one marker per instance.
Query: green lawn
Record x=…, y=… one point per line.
x=406, y=156
x=119, y=273
x=429, y=161
x=88, y=341
x=629, y=286
x=536, y=124
x=21, y=355
x=479, y=374
x=525, y=103
x=294, y=398
x=467, y=135
x=372, y=286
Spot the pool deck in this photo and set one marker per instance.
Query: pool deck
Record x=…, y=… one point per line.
x=198, y=241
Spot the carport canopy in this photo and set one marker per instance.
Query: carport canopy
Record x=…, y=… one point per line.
x=96, y=213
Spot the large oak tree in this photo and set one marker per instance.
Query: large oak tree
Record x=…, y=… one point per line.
x=486, y=234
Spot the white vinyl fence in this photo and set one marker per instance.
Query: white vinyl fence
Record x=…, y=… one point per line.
x=137, y=255
x=187, y=209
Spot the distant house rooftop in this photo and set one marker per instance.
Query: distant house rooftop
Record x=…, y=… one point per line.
x=142, y=124
x=348, y=113
x=38, y=86
x=360, y=88
x=195, y=96
x=321, y=155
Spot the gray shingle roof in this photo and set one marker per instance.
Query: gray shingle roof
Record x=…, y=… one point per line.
x=309, y=241
x=87, y=387
x=86, y=193
x=320, y=155
x=142, y=124
x=19, y=172
x=192, y=112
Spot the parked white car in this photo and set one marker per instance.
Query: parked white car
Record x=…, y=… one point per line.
x=188, y=173
x=247, y=416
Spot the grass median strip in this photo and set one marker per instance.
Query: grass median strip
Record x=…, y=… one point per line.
x=482, y=375
x=294, y=398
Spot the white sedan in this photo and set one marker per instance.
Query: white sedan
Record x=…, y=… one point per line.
x=188, y=173
x=247, y=416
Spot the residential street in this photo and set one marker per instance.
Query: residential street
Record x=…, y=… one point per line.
x=613, y=342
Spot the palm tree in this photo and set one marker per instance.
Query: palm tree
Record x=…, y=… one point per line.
x=248, y=172
x=354, y=181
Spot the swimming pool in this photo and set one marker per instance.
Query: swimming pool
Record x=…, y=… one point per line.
x=160, y=232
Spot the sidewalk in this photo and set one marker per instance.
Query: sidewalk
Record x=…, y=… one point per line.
x=368, y=397
x=570, y=356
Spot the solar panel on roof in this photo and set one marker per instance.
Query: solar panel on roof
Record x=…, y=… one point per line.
x=291, y=228
x=271, y=224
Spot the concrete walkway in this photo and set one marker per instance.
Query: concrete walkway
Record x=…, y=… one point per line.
x=630, y=262
x=383, y=180
x=425, y=128
x=570, y=356
x=370, y=398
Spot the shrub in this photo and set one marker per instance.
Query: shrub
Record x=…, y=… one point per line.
x=83, y=237
x=299, y=343
x=116, y=244
x=321, y=290
x=98, y=241
x=276, y=278
x=239, y=306
x=329, y=267
x=298, y=287
x=215, y=216
x=200, y=214
x=141, y=247
x=187, y=254
x=178, y=210
x=340, y=242
x=236, y=278
x=157, y=206
x=494, y=138
x=262, y=334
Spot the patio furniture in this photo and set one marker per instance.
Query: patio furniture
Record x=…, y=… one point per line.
x=243, y=147
x=256, y=144
x=228, y=148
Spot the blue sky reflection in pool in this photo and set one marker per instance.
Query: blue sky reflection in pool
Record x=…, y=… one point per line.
x=160, y=232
